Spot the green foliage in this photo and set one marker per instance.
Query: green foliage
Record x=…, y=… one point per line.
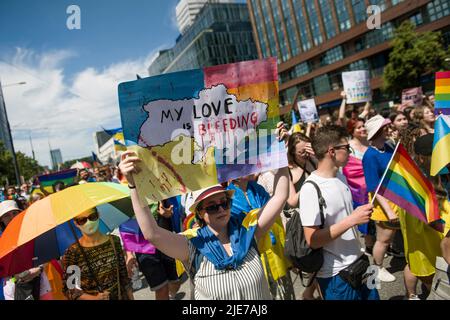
x=27, y=166
x=413, y=54
x=6, y=166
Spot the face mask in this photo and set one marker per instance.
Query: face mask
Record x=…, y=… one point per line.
x=90, y=227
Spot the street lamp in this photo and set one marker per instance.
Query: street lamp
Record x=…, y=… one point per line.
x=3, y=106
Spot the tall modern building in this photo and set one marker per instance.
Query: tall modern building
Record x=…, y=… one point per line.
x=187, y=11
x=222, y=33
x=316, y=40
x=56, y=158
x=160, y=63
x=5, y=136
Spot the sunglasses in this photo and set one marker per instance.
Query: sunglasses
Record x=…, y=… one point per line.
x=346, y=146
x=213, y=209
x=81, y=221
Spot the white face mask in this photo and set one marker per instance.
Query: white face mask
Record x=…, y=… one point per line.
x=90, y=227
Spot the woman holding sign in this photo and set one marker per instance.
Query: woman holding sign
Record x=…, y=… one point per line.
x=221, y=255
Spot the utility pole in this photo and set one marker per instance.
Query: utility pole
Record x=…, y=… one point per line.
x=31, y=143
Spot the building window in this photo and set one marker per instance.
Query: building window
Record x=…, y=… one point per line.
x=322, y=84
x=259, y=29
x=307, y=89
x=279, y=29
x=342, y=15
x=269, y=30
x=290, y=29
x=314, y=22
x=302, y=25
x=359, y=11
x=325, y=7
x=380, y=3
x=332, y=55
x=438, y=9
x=416, y=19
x=362, y=64
x=301, y=69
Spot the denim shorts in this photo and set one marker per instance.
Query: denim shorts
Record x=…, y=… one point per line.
x=335, y=288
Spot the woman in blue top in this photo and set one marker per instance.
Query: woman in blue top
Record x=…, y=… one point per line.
x=220, y=255
x=375, y=162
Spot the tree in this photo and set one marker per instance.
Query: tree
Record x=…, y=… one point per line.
x=7, y=175
x=413, y=55
x=27, y=166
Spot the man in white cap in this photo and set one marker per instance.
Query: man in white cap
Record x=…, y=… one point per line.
x=385, y=213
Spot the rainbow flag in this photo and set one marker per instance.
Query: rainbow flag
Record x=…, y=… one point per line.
x=189, y=221
x=405, y=185
x=133, y=239
x=295, y=125
x=440, y=157
x=48, y=180
x=442, y=93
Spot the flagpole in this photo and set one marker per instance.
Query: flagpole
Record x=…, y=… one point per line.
x=384, y=174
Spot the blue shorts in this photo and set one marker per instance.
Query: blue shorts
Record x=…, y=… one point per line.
x=335, y=288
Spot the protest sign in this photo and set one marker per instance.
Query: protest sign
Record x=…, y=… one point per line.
x=308, y=111
x=196, y=128
x=412, y=97
x=357, y=86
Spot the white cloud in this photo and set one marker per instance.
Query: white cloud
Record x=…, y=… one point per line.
x=70, y=112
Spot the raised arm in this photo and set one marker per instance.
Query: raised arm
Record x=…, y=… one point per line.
x=341, y=117
x=268, y=214
x=366, y=110
x=171, y=244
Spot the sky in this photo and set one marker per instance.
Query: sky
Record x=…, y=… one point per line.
x=72, y=75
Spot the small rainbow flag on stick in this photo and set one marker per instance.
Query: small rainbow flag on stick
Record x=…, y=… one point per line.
x=404, y=184
x=442, y=93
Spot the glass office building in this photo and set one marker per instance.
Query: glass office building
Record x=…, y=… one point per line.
x=222, y=33
x=316, y=40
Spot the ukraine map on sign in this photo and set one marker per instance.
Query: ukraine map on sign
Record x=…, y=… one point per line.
x=196, y=128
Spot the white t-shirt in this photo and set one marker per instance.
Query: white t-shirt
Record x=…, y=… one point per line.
x=343, y=251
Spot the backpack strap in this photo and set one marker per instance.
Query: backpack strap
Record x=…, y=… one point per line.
x=322, y=203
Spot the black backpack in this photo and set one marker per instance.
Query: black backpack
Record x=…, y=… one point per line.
x=296, y=249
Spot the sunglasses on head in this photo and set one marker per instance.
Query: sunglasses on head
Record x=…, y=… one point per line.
x=214, y=208
x=92, y=217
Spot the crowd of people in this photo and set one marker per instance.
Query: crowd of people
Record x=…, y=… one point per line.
x=235, y=249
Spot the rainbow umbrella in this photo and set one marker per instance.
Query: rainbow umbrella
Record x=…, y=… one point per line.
x=44, y=231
